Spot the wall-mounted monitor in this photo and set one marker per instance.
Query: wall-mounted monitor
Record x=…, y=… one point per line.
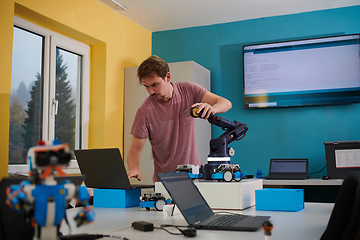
x=317, y=71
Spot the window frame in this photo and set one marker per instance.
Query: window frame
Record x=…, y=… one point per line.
x=57, y=40
x=52, y=40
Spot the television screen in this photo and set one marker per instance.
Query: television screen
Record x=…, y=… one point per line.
x=318, y=71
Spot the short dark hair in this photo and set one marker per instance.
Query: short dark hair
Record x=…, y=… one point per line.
x=152, y=65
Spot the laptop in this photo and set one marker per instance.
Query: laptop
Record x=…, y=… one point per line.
x=288, y=169
x=104, y=168
x=197, y=211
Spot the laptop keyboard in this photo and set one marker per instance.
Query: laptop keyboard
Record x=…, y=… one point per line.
x=227, y=220
x=285, y=178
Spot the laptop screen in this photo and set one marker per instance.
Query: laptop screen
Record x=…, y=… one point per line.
x=342, y=158
x=285, y=166
x=103, y=168
x=289, y=168
x=186, y=196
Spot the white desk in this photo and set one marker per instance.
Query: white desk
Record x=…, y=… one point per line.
x=308, y=224
x=316, y=190
x=307, y=182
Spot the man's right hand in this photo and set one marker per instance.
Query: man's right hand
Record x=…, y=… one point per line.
x=134, y=173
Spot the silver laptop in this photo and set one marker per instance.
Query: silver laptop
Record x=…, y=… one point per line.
x=288, y=169
x=104, y=168
x=196, y=210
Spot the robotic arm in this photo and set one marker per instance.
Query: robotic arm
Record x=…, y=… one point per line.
x=234, y=131
x=219, y=166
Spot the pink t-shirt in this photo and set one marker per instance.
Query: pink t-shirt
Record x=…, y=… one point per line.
x=170, y=128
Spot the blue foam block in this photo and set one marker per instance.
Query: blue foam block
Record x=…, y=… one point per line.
x=116, y=198
x=274, y=199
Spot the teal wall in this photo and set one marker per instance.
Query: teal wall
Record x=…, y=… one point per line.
x=273, y=133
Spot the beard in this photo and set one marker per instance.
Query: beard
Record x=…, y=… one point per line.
x=158, y=96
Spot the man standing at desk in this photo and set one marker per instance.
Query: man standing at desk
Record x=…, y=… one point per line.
x=164, y=118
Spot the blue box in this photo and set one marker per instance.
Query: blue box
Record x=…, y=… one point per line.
x=279, y=199
x=116, y=198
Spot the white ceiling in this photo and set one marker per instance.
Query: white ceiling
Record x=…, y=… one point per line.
x=160, y=15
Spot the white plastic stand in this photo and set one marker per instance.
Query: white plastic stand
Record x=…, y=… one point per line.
x=223, y=195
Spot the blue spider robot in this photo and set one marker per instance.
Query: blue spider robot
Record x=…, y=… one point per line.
x=44, y=200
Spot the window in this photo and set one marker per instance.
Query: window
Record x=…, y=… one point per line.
x=49, y=90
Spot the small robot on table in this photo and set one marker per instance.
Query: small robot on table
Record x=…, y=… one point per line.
x=193, y=171
x=43, y=200
x=153, y=200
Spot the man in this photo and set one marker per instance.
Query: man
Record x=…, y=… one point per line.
x=164, y=118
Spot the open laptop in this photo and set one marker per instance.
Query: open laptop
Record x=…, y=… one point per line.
x=288, y=169
x=104, y=168
x=196, y=210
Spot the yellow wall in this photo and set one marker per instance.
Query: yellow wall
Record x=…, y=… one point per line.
x=116, y=43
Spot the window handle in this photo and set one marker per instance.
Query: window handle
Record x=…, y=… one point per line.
x=55, y=106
